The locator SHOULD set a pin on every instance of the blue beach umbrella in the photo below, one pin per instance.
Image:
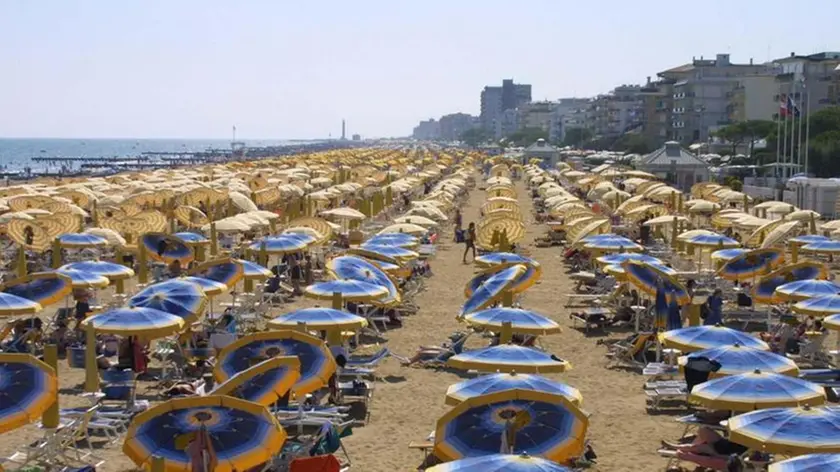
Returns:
(788, 431)
(618, 272)
(493, 288)
(44, 288)
(508, 358)
(521, 321)
(349, 290)
(493, 383)
(500, 463)
(823, 247)
(807, 463)
(80, 279)
(282, 244)
(166, 248)
(226, 271)
(647, 277)
(243, 434)
(617, 259)
(304, 237)
(616, 244)
(727, 254)
(28, 387)
(394, 252)
(263, 383)
(808, 239)
(532, 274)
(253, 271)
(11, 305)
(697, 338)
(502, 258)
(394, 239)
(713, 240)
(319, 319)
(316, 362)
(106, 269)
(806, 270)
(145, 322)
(178, 297)
(543, 424)
(804, 289)
(757, 390)
(818, 306)
(751, 263)
(356, 268)
(736, 359)
(193, 239)
(81, 240)
(211, 288)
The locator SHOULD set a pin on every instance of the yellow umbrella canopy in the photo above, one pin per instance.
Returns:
(28, 202)
(780, 233)
(575, 234)
(190, 216)
(28, 234)
(513, 229)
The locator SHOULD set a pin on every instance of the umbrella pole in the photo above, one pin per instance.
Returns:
(56, 254)
(214, 239)
(91, 372)
(142, 267)
(507, 298)
(337, 301)
(506, 335)
(21, 262)
(50, 417)
(158, 464)
(794, 252)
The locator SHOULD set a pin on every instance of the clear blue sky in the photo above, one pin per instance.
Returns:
(283, 69)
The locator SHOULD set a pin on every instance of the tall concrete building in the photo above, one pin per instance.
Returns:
(657, 102)
(454, 124)
(427, 130)
(702, 91)
(754, 98)
(496, 100)
(814, 74)
(536, 115)
(568, 113)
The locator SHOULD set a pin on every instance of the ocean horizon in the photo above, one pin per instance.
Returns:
(16, 153)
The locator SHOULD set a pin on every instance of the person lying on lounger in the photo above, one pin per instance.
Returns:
(709, 449)
(441, 353)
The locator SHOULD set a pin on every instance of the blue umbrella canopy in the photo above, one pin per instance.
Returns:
(177, 297)
(356, 268)
(493, 288)
(44, 288)
(394, 252)
(823, 247)
(500, 463)
(757, 390)
(145, 322)
(243, 434)
(804, 289)
(227, 271)
(697, 338)
(522, 321)
(765, 288)
(502, 258)
(818, 306)
(751, 263)
(788, 431)
(316, 362)
(11, 305)
(319, 319)
(81, 240)
(350, 291)
(618, 243)
(211, 288)
(166, 248)
(532, 274)
(808, 463)
(617, 259)
(85, 279)
(263, 383)
(28, 387)
(713, 240)
(736, 359)
(619, 273)
(808, 239)
(544, 424)
(306, 238)
(508, 358)
(493, 383)
(192, 239)
(727, 254)
(106, 269)
(282, 244)
(253, 271)
(646, 277)
(394, 239)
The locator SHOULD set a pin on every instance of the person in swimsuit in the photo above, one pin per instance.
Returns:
(469, 242)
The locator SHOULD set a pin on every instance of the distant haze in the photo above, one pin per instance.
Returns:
(287, 70)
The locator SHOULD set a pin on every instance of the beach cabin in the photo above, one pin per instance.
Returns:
(675, 165)
(549, 154)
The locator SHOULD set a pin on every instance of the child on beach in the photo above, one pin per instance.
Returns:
(469, 242)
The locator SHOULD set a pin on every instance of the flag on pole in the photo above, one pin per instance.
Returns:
(788, 107)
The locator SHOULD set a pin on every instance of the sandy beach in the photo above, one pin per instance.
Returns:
(408, 401)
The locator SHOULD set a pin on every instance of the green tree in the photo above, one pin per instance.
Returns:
(733, 182)
(742, 132)
(633, 143)
(474, 136)
(527, 136)
(577, 137)
(823, 142)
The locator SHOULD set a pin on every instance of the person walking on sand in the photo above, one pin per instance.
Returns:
(469, 242)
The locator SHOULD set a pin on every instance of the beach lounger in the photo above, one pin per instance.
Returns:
(630, 352)
(357, 391)
(592, 318)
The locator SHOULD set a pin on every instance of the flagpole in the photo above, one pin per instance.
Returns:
(792, 112)
(784, 138)
(778, 133)
(799, 138)
(807, 127)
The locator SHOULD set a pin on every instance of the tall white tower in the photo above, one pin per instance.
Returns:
(343, 131)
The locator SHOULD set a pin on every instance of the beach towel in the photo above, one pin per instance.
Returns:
(315, 464)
